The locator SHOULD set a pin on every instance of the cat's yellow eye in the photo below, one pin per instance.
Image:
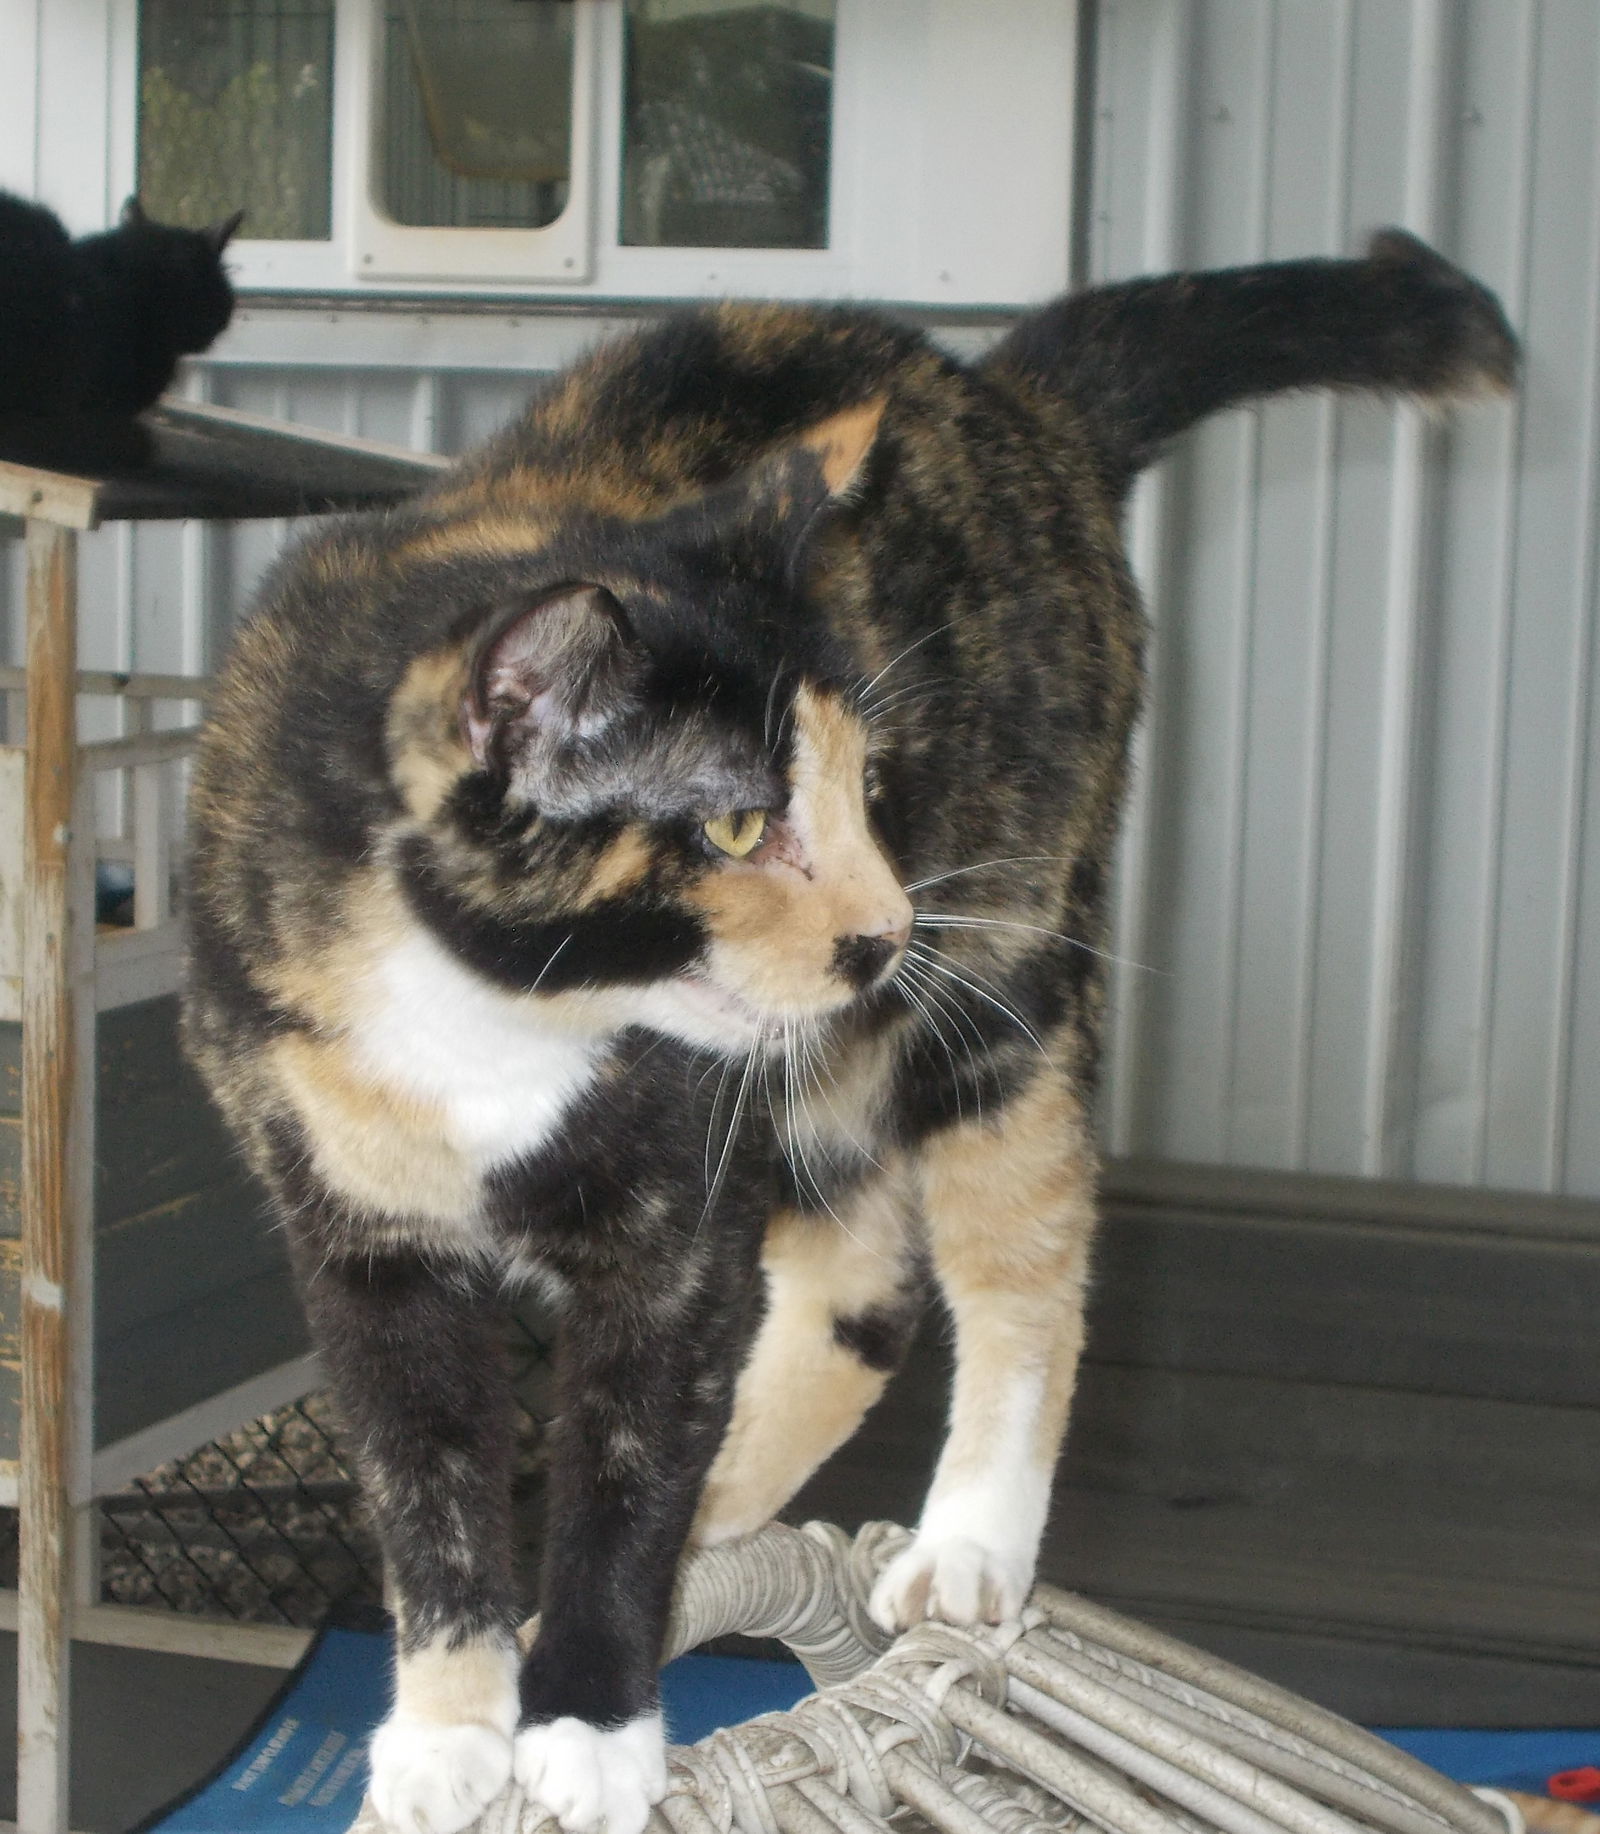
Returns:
(739, 833)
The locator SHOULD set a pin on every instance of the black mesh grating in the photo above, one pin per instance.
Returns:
(266, 1525)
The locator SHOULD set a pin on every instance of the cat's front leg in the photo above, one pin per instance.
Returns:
(413, 1345)
(1009, 1203)
(646, 1372)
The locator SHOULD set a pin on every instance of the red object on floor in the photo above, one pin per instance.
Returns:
(1580, 1785)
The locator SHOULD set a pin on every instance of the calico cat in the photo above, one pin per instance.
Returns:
(667, 862)
(91, 331)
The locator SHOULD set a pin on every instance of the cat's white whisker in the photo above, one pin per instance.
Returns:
(925, 1013)
(955, 872)
(910, 693)
(772, 695)
(951, 920)
(714, 1190)
(951, 1008)
(725, 1065)
(895, 660)
(944, 967)
(538, 979)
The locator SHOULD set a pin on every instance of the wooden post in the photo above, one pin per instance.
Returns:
(48, 1080)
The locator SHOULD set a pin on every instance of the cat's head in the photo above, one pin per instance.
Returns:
(174, 274)
(636, 767)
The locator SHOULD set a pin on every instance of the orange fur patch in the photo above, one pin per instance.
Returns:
(775, 928)
(623, 864)
(842, 443)
(802, 1393)
(1010, 1211)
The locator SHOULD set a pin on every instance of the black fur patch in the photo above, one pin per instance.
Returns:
(880, 1337)
(614, 942)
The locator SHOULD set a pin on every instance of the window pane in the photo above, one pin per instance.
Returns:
(235, 110)
(477, 112)
(728, 111)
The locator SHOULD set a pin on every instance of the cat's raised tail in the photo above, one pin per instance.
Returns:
(1142, 360)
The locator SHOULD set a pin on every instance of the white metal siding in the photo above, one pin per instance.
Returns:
(1364, 873)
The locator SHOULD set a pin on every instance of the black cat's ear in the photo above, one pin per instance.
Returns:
(133, 216)
(219, 235)
(564, 667)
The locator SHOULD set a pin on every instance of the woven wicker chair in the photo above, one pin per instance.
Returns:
(1072, 1717)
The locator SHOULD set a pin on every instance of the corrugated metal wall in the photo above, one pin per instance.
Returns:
(1361, 879)
(1363, 872)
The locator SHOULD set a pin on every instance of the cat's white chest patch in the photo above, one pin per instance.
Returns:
(501, 1073)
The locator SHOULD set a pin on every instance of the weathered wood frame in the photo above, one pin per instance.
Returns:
(57, 1000)
(56, 1117)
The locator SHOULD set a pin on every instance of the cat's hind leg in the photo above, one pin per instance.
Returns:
(843, 1293)
(1009, 1206)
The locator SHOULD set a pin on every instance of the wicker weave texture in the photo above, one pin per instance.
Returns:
(1070, 1717)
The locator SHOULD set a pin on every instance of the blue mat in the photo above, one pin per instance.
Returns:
(301, 1768)
(1497, 1760)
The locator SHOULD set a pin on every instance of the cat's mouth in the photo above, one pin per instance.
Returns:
(722, 1003)
(715, 1008)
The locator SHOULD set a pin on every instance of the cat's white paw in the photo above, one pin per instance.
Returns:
(594, 1780)
(429, 1778)
(952, 1578)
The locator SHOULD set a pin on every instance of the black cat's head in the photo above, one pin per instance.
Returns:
(636, 765)
(175, 276)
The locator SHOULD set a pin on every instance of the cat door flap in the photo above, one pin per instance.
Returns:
(478, 116)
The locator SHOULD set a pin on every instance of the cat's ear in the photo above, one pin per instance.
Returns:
(219, 235)
(564, 666)
(840, 446)
(133, 216)
(792, 489)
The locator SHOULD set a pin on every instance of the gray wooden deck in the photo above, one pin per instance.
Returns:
(1360, 1458)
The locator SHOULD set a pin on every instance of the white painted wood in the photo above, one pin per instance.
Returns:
(152, 847)
(381, 249)
(210, 410)
(139, 749)
(115, 1465)
(175, 1633)
(131, 686)
(952, 167)
(75, 169)
(19, 68)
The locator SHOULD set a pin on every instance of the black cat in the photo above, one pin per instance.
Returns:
(91, 331)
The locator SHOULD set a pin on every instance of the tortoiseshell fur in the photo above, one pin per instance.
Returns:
(485, 1004)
